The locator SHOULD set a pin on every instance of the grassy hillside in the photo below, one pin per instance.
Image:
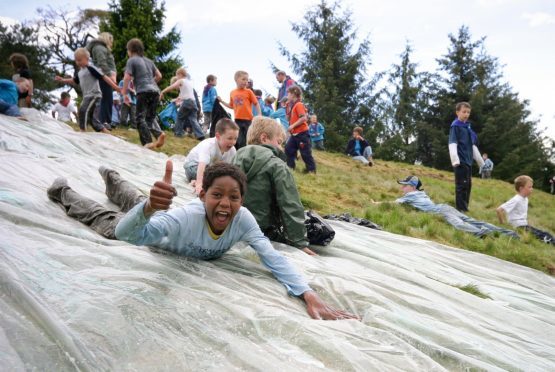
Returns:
(342, 185)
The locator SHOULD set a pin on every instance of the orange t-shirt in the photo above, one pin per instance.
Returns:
(241, 100)
(298, 111)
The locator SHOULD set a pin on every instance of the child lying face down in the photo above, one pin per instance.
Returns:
(204, 228)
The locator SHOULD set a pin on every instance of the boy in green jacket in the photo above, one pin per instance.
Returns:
(272, 195)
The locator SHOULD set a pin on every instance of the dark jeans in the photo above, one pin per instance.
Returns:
(128, 115)
(243, 129)
(98, 217)
(300, 142)
(106, 103)
(463, 185)
(8, 109)
(147, 102)
(544, 236)
(187, 117)
(89, 111)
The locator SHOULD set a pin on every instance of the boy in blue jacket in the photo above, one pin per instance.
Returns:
(462, 149)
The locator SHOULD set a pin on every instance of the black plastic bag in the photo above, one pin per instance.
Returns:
(318, 231)
(354, 220)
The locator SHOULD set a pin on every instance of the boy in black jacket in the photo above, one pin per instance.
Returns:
(359, 149)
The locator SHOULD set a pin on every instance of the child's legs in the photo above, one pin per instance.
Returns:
(243, 128)
(456, 219)
(191, 168)
(291, 148)
(462, 187)
(544, 236)
(85, 210)
(319, 145)
(153, 98)
(7, 109)
(306, 151)
(179, 128)
(96, 112)
(367, 153)
(488, 226)
(119, 191)
(87, 106)
(193, 121)
(144, 132)
(124, 114)
(106, 103)
(207, 121)
(362, 159)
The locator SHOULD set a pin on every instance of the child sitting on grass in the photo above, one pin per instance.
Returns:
(211, 150)
(272, 195)
(516, 210)
(417, 198)
(359, 149)
(204, 228)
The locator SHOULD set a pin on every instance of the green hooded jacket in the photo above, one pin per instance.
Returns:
(272, 195)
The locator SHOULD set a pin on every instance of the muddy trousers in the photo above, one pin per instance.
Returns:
(93, 214)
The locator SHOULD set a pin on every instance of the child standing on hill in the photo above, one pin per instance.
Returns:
(209, 96)
(359, 149)
(188, 111)
(211, 150)
(487, 167)
(64, 108)
(272, 195)
(316, 131)
(87, 77)
(145, 76)
(462, 148)
(241, 100)
(516, 210)
(300, 139)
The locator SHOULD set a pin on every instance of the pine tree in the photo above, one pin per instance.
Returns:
(143, 19)
(332, 71)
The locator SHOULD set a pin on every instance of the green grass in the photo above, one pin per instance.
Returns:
(342, 185)
(473, 289)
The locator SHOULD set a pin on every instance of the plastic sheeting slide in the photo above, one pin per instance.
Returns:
(72, 300)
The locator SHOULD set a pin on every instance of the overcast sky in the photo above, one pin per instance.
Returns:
(222, 36)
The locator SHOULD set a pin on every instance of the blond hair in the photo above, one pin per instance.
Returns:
(81, 52)
(263, 125)
(239, 74)
(107, 38)
(521, 181)
(181, 71)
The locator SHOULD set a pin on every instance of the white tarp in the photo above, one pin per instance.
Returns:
(72, 300)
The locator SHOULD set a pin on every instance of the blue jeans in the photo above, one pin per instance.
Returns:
(468, 224)
(191, 169)
(187, 116)
(365, 155)
(7, 109)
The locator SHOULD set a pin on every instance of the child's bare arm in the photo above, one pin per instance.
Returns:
(500, 214)
(157, 75)
(259, 110)
(200, 174)
(64, 80)
(174, 86)
(111, 83)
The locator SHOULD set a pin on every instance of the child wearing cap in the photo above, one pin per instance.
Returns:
(414, 196)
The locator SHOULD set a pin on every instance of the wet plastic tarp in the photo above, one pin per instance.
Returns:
(72, 300)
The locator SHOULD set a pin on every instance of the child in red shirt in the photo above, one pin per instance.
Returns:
(298, 128)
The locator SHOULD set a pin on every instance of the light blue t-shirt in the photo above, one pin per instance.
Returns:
(185, 231)
(419, 200)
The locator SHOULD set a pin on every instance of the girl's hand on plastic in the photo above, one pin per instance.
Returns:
(318, 309)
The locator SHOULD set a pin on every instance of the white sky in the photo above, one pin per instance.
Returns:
(222, 36)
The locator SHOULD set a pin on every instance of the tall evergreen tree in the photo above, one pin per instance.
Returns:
(22, 38)
(332, 71)
(407, 95)
(143, 19)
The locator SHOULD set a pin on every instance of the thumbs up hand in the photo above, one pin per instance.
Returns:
(161, 193)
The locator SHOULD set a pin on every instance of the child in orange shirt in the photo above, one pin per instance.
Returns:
(241, 101)
(298, 127)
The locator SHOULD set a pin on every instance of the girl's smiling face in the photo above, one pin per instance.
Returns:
(222, 200)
